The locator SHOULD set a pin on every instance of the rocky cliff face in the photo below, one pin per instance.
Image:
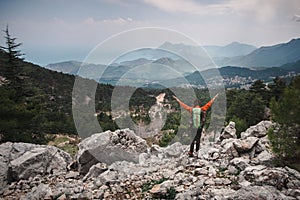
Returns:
(229, 169)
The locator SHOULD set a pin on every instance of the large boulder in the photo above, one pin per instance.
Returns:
(174, 150)
(108, 147)
(4, 163)
(42, 191)
(228, 148)
(245, 145)
(258, 192)
(265, 157)
(23, 160)
(259, 130)
(280, 178)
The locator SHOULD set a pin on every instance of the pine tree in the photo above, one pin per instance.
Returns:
(12, 47)
(285, 139)
(277, 87)
(259, 87)
(12, 68)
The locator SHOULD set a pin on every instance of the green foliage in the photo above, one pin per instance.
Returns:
(285, 139)
(65, 143)
(41, 104)
(166, 139)
(172, 122)
(106, 122)
(71, 149)
(142, 97)
(247, 106)
(148, 185)
(15, 119)
(12, 46)
(171, 194)
(260, 89)
(277, 88)
(231, 96)
(286, 145)
(287, 109)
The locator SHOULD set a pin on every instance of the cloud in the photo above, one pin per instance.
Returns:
(260, 10)
(175, 5)
(296, 18)
(119, 20)
(195, 7)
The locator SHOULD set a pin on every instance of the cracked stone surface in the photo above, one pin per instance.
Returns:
(230, 169)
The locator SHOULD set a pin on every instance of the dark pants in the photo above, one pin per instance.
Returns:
(197, 138)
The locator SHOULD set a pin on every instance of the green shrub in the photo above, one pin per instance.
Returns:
(285, 144)
(285, 138)
(148, 185)
(171, 194)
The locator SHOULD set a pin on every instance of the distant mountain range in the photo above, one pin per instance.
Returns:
(168, 65)
(152, 75)
(270, 56)
(67, 67)
(134, 72)
(240, 76)
(231, 77)
(244, 55)
(231, 50)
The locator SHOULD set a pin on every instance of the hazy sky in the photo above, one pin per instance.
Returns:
(60, 30)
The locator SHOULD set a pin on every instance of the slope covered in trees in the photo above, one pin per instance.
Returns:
(38, 101)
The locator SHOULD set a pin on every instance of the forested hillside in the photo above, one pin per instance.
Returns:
(35, 101)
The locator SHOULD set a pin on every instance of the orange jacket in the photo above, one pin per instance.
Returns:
(189, 108)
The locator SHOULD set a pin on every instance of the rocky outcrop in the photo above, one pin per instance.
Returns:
(231, 169)
(259, 130)
(41, 191)
(258, 192)
(22, 161)
(5, 157)
(108, 147)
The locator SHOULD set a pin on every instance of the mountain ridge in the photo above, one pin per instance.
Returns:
(169, 65)
(270, 56)
(230, 50)
(133, 72)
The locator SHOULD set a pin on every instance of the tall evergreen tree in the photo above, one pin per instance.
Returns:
(259, 88)
(12, 47)
(277, 87)
(285, 139)
(11, 68)
(246, 109)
